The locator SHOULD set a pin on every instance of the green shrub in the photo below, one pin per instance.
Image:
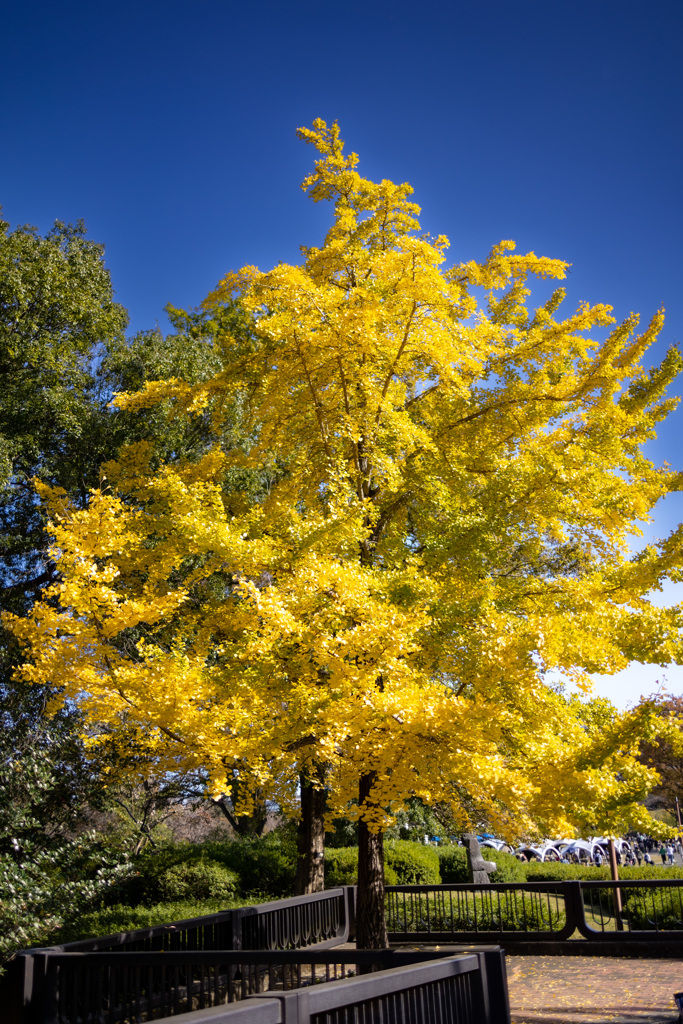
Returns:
(661, 909)
(341, 868)
(197, 880)
(554, 871)
(405, 863)
(413, 863)
(141, 887)
(265, 864)
(219, 868)
(508, 868)
(453, 864)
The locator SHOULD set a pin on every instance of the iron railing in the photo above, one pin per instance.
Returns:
(321, 918)
(439, 912)
(537, 911)
(137, 987)
(509, 914)
(448, 991)
(551, 911)
(633, 908)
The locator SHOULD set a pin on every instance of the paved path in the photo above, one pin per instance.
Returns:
(593, 990)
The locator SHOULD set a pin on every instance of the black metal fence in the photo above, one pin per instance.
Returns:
(447, 991)
(322, 919)
(192, 965)
(319, 920)
(537, 911)
(137, 987)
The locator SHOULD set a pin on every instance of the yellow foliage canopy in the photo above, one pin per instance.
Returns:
(452, 477)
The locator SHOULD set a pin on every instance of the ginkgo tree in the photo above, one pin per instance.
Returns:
(451, 481)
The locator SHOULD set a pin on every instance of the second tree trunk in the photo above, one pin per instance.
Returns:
(310, 867)
(371, 925)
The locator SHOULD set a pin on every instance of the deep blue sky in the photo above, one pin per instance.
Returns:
(170, 129)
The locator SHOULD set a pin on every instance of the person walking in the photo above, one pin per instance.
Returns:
(670, 854)
(662, 853)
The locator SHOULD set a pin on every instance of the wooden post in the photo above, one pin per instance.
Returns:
(614, 871)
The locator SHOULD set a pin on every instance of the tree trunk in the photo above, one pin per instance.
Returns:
(310, 841)
(245, 824)
(371, 925)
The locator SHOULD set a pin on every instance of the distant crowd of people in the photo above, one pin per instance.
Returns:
(642, 850)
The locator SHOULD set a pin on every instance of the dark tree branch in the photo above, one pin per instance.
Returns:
(49, 576)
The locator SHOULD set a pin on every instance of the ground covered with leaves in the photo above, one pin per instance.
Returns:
(593, 990)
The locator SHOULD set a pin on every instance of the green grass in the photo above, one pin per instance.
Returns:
(122, 918)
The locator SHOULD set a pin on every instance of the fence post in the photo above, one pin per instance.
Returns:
(496, 981)
(574, 908)
(46, 991)
(16, 988)
(482, 993)
(236, 928)
(350, 909)
(294, 1008)
(37, 999)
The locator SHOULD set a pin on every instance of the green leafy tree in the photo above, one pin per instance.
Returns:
(63, 355)
(57, 314)
(46, 889)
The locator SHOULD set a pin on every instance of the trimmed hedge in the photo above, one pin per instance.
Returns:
(554, 871)
(408, 863)
(413, 863)
(405, 863)
(341, 868)
(661, 910)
